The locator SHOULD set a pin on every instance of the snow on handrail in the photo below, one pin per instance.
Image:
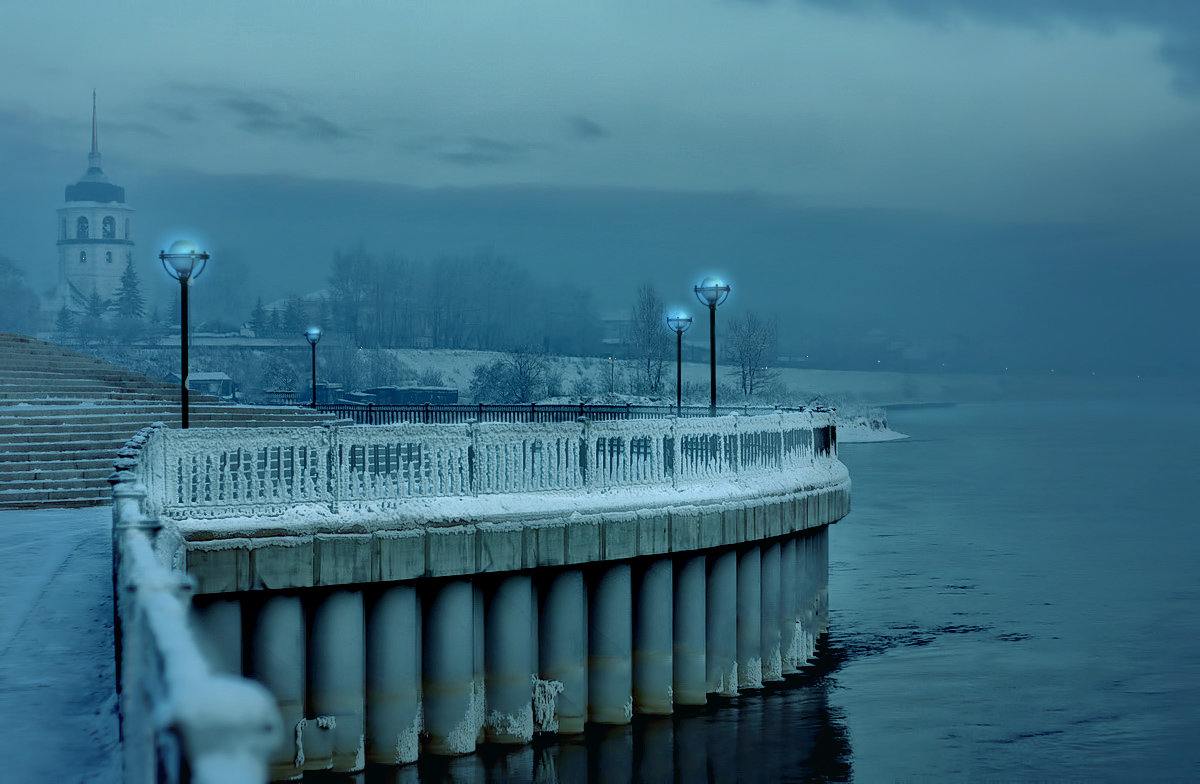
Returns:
(179, 718)
(234, 472)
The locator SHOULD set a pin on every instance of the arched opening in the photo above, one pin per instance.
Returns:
(82, 256)
(64, 229)
(108, 228)
(81, 228)
(108, 257)
(127, 228)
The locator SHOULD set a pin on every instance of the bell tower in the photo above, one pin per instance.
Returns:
(95, 234)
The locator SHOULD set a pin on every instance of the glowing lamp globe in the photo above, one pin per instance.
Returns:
(712, 291)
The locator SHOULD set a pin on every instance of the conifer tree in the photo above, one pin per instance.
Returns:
(128, 301)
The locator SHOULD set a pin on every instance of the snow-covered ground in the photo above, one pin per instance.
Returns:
(57, 673)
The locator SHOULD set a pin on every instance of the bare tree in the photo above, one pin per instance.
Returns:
(520, 376)
(751, 346)
(648, 339)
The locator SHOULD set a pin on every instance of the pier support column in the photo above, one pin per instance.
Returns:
(448, 666)
(563, 646)
(806, 581)
(277, 648)
(610, 643)
(218, 624)
(336, 674)
(394, 719)
(772, 658)
(688, 660)
(721, 624)
(822, 572)
(790, 641)
(509, 661)
(653, 638)
(749, 618)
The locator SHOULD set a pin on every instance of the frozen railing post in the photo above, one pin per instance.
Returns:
(585, 441)
(672, 455)
(473, 457)
(335, 465)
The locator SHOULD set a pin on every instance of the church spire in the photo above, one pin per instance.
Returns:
(94, 155)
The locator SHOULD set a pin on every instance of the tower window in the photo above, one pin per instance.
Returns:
(81, 228)
(64, 229)
(108, 256)
(108, 227)
(128, 257)
(82, 256)
(127, 228)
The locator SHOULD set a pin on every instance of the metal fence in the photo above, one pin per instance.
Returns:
(461, 413)
(216, 472)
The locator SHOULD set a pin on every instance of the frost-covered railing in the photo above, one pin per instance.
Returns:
(528, 413)
(180, 720)
(216, 472)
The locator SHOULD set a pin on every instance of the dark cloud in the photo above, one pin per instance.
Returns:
(1177, 20)
(580, 127)
(468, 150)
(271, 113)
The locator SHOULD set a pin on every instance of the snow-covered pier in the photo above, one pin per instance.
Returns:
(410, 589)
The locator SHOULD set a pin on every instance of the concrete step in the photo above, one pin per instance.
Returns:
(10, 475)
(41, 498)
(58, 483)
(47, 458)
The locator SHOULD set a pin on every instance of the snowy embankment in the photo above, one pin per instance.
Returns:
(57, 670)
(864, 427)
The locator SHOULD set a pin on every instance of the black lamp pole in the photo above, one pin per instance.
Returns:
(183, 351)
(712, 292)
(184, 262)
(313, 336)
(712, 359)
(679, 322)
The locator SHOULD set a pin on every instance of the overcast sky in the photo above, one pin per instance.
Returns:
(1046, 137)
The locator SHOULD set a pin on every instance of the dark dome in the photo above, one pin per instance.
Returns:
(95, 187)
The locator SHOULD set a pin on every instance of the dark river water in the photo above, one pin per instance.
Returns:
(1015, 597)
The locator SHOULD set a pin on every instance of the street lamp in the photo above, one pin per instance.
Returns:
(712, 292)
(183, 262)
(679, 322)
(313, 335)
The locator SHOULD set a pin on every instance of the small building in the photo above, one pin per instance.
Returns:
(408, 396)
(217, 384)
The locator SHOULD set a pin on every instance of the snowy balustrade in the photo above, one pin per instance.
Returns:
(607, 568)
(214, 472)
(180, 720)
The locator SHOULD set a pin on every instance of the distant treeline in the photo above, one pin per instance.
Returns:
(483, 301)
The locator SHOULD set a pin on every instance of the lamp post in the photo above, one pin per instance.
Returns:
(679, 322)
(712, 292)
(184, 262)
(313, 335)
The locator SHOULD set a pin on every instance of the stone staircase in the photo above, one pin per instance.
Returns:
(64, 415)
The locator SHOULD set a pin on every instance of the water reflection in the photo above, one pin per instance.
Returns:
(783, 733)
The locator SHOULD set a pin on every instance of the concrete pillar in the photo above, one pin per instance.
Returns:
(749, 618)
(808, 593)
(509, 661)
(653, 638)
(790, 642)
(479, 690)
(769, 636)
(394, 717)
(822, 571)
(276, 661)
(563, 646)
(688, 659)
(448, 668)
(721, 624)
(610, 644)
(337, 673)
(218, 625)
